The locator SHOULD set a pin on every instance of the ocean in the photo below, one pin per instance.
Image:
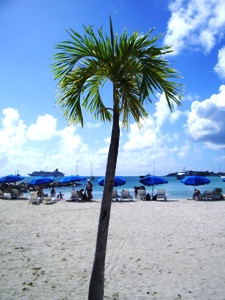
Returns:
(174, 188)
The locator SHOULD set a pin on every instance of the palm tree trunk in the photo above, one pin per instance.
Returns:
(96, 287)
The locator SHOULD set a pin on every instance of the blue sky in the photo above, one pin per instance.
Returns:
(34, 135)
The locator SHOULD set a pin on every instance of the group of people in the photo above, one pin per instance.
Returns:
(87, 193)
(53, 194)
(84, 194)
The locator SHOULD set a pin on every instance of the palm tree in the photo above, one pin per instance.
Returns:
(137, 70)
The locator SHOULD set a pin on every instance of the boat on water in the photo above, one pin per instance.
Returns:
(55, 173)
(182, 174)
(143, 176)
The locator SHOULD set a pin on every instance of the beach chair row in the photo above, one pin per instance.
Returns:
(13, 194)
(213, 195)
(34, 199)
(141, 195)
(210, 195)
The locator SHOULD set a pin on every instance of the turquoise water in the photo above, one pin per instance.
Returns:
(174, 188)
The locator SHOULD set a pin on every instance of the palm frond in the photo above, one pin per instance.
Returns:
(134, 64)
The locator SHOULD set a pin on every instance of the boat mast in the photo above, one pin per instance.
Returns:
(76, 167)
(91, 175)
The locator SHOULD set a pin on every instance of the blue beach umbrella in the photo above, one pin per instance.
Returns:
(195, 180)
(72, 178)
(11, 178)
(152, 180)
(41, 180)
(118, 181)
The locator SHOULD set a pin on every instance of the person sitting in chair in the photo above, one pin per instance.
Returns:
(82, 194)
(196, 194)
(60, 196)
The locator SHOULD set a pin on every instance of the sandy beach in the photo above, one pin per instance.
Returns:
(156, 250)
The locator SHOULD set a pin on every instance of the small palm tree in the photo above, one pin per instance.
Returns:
(137, 70)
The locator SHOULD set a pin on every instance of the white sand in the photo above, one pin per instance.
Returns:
(156, 250)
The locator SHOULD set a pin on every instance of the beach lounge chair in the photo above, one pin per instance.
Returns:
(49, 200)
(161, 195)
(216, 194)
(15, 194)
(141, 194)
(125, 195)
(115, 196)
(34, 199)
(207, 195)
(7, 195)
(75, 196)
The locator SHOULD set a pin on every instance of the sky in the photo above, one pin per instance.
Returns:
(34, 134)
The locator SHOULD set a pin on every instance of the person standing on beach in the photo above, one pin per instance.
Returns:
(89, 189)
(52, 192)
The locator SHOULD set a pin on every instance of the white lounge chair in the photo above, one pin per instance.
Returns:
(75, 196)
(15, 194)
(49, 200)
(115, 196)
(7, 195)
(141, 194)
(216, 194)
(34, 199)
(161, 195)
(125, 195)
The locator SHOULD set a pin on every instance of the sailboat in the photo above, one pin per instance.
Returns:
(92, 177)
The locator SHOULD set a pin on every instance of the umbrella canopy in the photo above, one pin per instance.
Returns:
(72, 178)
(11, 178)
(152, 180)
(41, 180)
(118, 181)
(195, 180)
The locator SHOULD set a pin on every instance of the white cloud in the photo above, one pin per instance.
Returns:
(206, 122)
(142, 138)
(198, 23)
(40, 146)
(190, 97)
(220, 66)
(184, 150)
(70, 142)
(163, 113)
(12, 134)
(93, 125)
(153, 147)
(105, 150)
(44, 129)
